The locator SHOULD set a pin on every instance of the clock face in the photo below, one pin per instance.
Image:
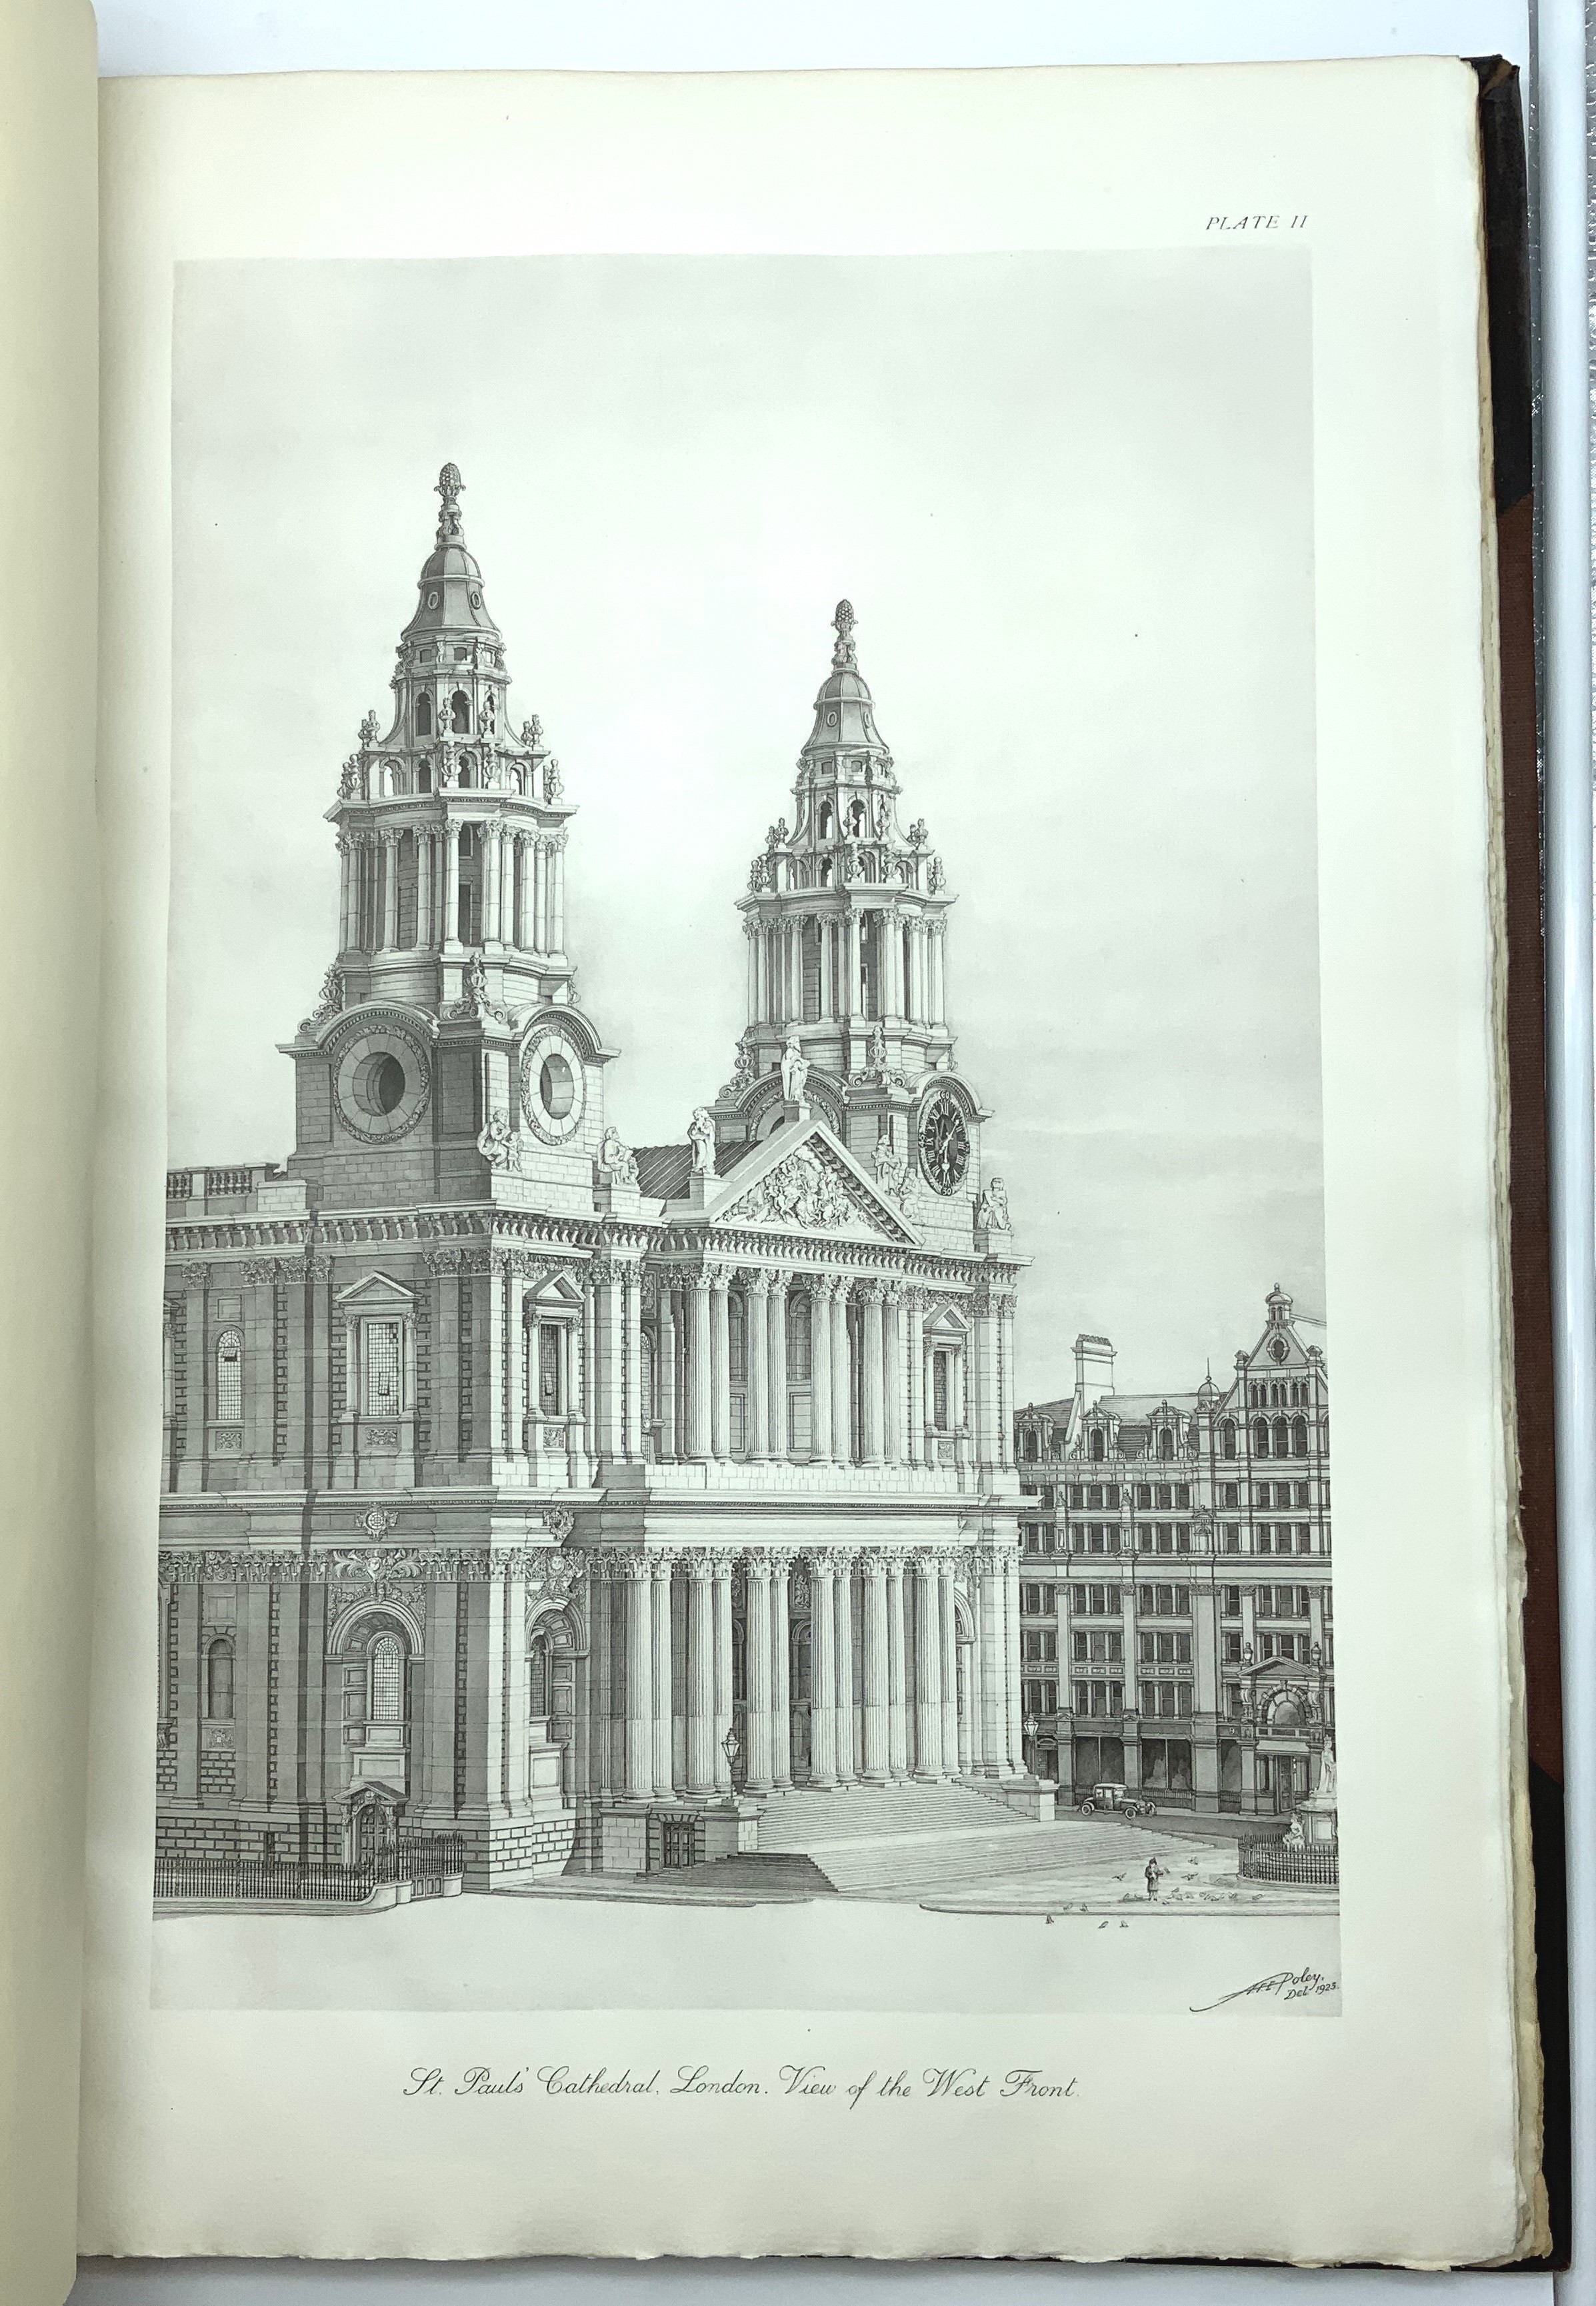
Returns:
(945, 1144)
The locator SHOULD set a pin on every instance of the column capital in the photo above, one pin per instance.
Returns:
(874, 1290)
(663, 1562)
(831, 1560)
(631, 1568)
(756, 1280)
(874, 1560)
(718, 1274)
(699, 1562)
(779, 1279)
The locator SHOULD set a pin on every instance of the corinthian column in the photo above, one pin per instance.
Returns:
(950, 1666)
(992, 1753)
(701, 1674)
(847, 1744)
(781, 1671)
(423, 887)
(822, 1292)
(390, 890)
(720, 1362)
(451, 885)
(778, 1436)
(897, 1676)
(872, 1295)
(757, 1625)
(757, 1333)
(721, 1565)
(823, 1671)
(914, 1355)
(896, 1448)
(840, 1375)
(875, 1669)
(699, 1370)
(664, 1759)
(640, 1697)
(928, 1666)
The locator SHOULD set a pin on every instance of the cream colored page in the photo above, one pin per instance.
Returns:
(47, 398)
(213, 2057)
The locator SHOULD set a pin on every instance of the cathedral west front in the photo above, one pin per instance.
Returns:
(571, 1499)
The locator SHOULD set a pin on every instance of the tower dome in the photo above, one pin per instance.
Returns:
(450, 589)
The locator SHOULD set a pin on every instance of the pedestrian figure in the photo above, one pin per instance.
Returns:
(1154, 1874)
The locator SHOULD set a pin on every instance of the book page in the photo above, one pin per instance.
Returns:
(720, 1542)
(47, 404)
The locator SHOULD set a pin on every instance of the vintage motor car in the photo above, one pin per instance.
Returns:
(1110, 1797)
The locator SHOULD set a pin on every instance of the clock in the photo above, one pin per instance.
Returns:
(945, 1144)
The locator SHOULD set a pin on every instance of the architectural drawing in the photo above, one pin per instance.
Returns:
(534, 1504)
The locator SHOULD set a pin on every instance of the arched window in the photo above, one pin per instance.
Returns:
(488, 714)
(1033, 1444)
(229, 1375)
(1096, 1450)
(1227, 1437)
(1299, 1436)
(467, 772)
(1260, 1437)
(423, 715)
(1282, 1438)
(385, 1667)
(856, 818)
(423, 776)
(823, 821)
(825, 871)
(459, 713)
(1166, 1442)
(538, 1678)
(218, 1681)
(798, 1337)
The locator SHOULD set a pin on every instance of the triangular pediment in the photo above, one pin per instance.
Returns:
(803, 1180)
(376, 1293)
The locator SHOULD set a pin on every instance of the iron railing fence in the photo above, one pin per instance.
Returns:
(1318, 1863)
(425, 1861)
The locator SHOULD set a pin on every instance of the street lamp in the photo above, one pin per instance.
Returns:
(731, 1746)
(1030, 1726)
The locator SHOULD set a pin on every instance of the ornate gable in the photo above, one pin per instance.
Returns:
(811, 1184)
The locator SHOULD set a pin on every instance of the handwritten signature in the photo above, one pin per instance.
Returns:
(1284, 1984)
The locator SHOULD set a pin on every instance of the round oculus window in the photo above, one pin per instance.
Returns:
(556, 1086)
(945, 1144)
(553, 1086)
(381, 1079)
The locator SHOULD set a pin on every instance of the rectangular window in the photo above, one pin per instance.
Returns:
(549, 1404)
(1163, 1496)
(1078, 1496)
(1230, 1538)
(382, 1344)
(1094, 1496)
(1144, 1495)
(939, 1392)
(1230, 1493)
(1112, 1497)
(1230, 1648)
(1233, 1601)
(1182, 1537)
(1182, 1496)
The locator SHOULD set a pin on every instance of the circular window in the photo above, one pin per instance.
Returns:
(381, 1076)
(831, 718)
(431, 600)
(476, 599)
(556, 1086)
(553, 1087)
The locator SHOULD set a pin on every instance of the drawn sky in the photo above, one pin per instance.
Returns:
(1071, 498)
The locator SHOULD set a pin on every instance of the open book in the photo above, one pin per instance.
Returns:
(814, 893)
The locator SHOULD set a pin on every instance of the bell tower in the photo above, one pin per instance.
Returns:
(447, 1038)
(846, 922)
